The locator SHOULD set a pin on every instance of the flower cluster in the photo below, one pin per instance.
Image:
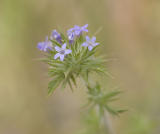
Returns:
(73, 56)
(76, 31)
(62, 46)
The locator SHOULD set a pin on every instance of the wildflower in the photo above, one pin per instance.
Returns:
(78, 30)
(62, 52)
(90, 43)
(45, 46)
(56, 36)
(71, 35)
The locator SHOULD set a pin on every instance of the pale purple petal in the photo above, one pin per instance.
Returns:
(69, 31)
(57, 48)
(76, 27)
(56, 56)
(84, 28)
(90, 48)
(57, 36)
(49, 44)
(87, 38)
(40, 45)
(67, 51)
(61, 57)
(59, 39)
(64, 46)
(95, 44)
(85, 44)
(93, 39)
(44, 46)
(90, 43)
(77, 32)
(71, 36)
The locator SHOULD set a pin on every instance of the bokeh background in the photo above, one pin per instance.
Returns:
(129, 34)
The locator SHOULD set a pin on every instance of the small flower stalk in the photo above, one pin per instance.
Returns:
(73, 55)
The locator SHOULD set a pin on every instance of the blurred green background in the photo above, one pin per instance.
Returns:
(130, 35)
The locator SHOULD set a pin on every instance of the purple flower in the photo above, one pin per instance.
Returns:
(90, 43)
(71, 35)
(78, 30)
(45, 46)
(56, 36)
(62, 52)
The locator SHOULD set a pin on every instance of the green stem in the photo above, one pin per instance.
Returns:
(105, 117)
(108, 123)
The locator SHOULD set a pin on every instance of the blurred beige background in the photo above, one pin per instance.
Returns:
(130, 34)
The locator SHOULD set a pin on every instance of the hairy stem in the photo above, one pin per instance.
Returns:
(108, 123)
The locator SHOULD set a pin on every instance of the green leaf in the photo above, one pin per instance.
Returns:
(73, 80)
(63, 37)
(55, 83)
(52, 86)
(55, 43)
(111, 110)
(112, 94)
(122, 111)
(70, 85)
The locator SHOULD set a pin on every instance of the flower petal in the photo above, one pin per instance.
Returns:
(40, 45)
(57, 55)
(45, 48)
(90, 48)
(85, 44)
(68, 51)
(61, 57)
(55, 34)
(85, 26)
(77, 32)
(87, 38)
(70, 31)
(95, 44)
(64, 46)
(85, 30)
(93, 39)
(71, 36)
(57, 48)
(77, 27)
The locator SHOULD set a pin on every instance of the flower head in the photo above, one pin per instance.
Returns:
(45, 46)
(90, 43)
(62, 52)
(71, 35)
(55, 35)
(78, 30)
